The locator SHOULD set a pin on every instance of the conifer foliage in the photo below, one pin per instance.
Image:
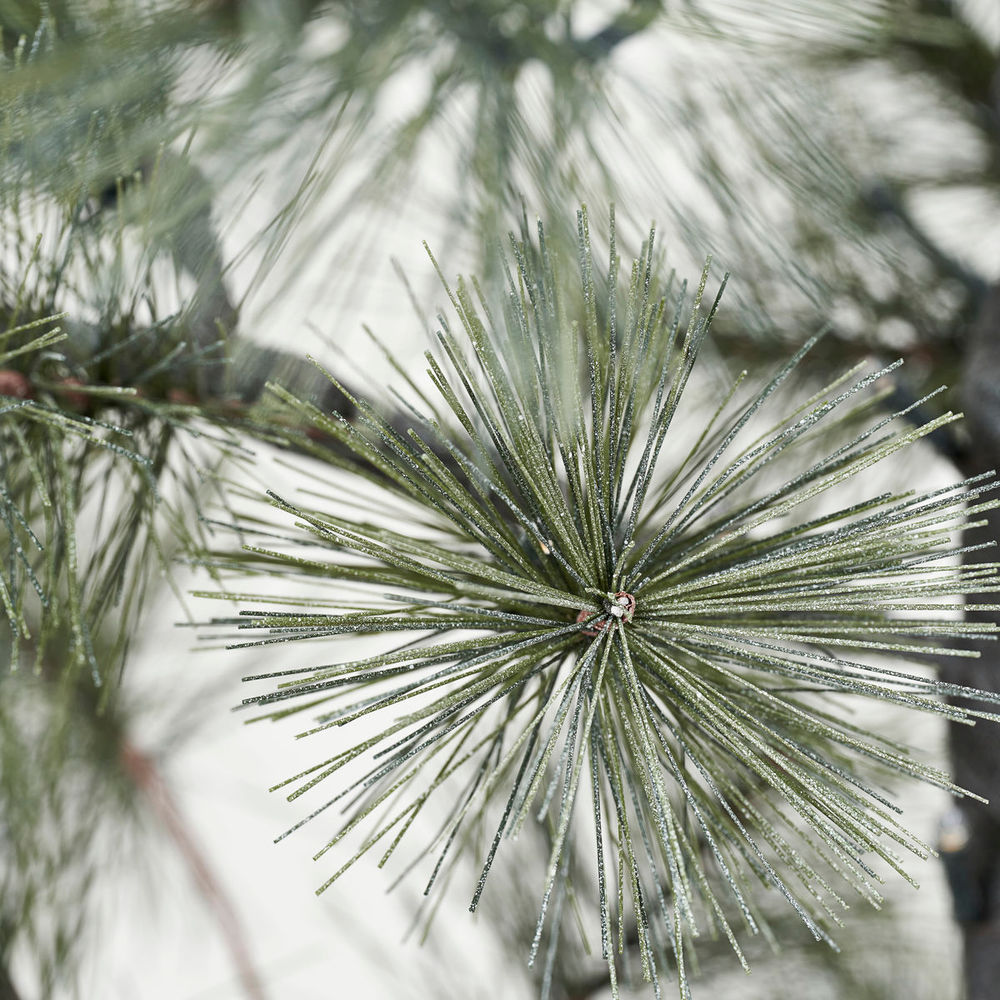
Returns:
(650, 640)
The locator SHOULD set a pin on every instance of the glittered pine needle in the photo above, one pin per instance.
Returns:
(606, 615)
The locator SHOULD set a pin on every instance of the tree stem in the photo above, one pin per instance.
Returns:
(975, 750)
(147, 777)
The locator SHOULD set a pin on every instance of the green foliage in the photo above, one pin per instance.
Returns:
(105, 459)
(91, 410)
(602, 617)
(114, 392)
(237, 80)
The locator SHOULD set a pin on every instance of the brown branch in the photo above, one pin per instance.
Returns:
(884, 201)
(973, 862)
(630, 22)
(8, 991)
(959, 59)
(143, 771)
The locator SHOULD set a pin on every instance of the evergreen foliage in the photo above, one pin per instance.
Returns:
(663, 631)
(653, 645)
(111, 432)
(93, 409)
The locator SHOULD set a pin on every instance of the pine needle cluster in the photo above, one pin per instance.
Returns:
(104, 460)
(604, 616)
(90, 410)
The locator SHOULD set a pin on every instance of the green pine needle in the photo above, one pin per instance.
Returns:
(604, 616)
(91, 433)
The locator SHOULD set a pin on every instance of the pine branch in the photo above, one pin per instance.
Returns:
(886, 203)
(655, 623)
(495, 495)
(149, 781)
(636, 18)
(958, 58)
(8, 991)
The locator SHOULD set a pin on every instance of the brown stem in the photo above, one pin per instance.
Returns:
(8, 991)
(885, 201)
(974, 868)
(630, 22)
(143, 771)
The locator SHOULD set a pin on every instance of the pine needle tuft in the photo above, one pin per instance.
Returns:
(605, 605)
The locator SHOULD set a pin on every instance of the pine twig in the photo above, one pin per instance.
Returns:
(147, 777)
(8, 991)
(885, 202)
(655, 634)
